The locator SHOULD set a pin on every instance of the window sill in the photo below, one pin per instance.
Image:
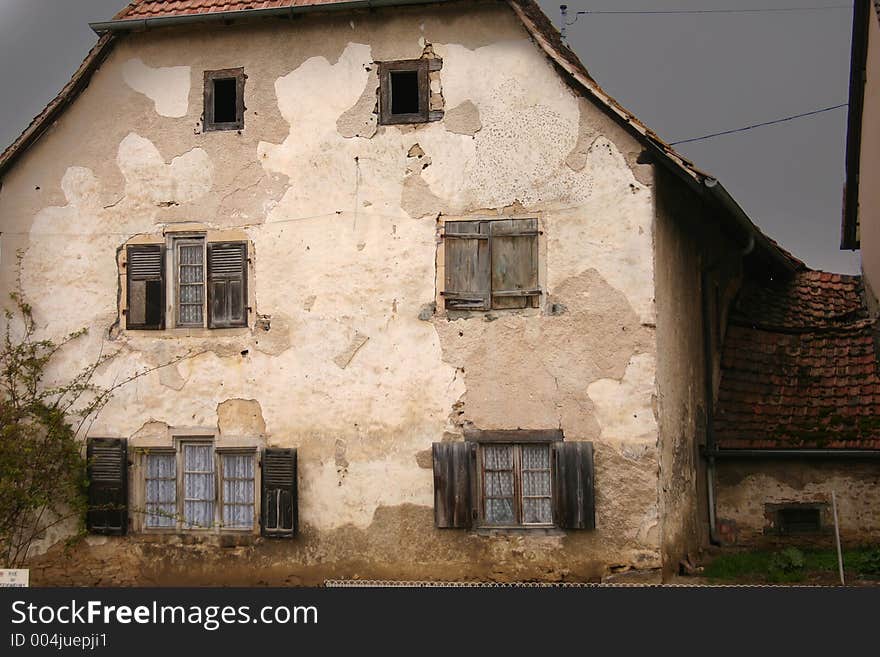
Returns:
(223, 537)
(488, 315)
(177, 333)
(519, 530)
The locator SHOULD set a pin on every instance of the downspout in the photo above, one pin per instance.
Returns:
(709, 378)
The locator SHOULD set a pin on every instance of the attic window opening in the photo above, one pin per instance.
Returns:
(403, 92)
(224, 99)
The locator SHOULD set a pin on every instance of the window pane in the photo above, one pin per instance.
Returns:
(536, 457)
(535, 484)
(536, 492)
(537, 511)
(498, 457)
(238, 490)
(191, 254)
(198, 485)
(191, 294)
(500, 510)
(498, 484)
(161, 490)
(190, 314)
(190, 284)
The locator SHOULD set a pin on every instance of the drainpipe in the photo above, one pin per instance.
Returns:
(709, 392)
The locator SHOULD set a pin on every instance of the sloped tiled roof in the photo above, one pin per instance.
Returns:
(810, 299)
(156, 8)
(799, 367)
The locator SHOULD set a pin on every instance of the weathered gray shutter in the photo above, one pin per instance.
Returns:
(279, 517)
(145, 275)
(227, 284)
(454, 472)
(107, 468)
(573, 498)
(467, 264)
(514, 249)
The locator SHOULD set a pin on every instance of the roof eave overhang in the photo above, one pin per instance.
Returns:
(143, 24)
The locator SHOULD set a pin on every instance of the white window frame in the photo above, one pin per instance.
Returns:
(179, 241)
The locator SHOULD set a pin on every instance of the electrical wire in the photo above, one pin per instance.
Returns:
(758, 125)
(765, 10)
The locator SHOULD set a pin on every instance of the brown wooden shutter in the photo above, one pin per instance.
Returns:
(467, 264)
(227, 284)
(145, 275)
(573, 498)
(514, 249)
(107, 467)
(280, 516)
(454, 473)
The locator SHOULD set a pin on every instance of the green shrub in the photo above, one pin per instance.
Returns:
(868, 562)
(788, 562)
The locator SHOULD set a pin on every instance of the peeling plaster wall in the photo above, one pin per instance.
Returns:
(687, 244)
(342, 360)
(746, 488)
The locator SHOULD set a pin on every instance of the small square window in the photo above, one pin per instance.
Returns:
(491, 264)
(224, 100)
(403, 92)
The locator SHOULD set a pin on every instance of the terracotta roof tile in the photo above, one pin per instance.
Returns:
(799, 367)
(810, 299)
(156, 8)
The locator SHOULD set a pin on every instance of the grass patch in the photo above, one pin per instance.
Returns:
(792, 565)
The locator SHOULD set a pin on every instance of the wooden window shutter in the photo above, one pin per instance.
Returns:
(279, 517)
(145, 275)
(227, 284)
(107, 467)
(573, 497)
(454, 475)
(514, 251)
(467, 264)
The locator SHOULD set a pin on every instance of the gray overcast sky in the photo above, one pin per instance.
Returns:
(683, 75)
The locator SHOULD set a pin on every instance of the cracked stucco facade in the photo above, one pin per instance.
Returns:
(345, 357)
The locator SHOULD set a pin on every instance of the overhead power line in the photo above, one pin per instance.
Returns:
(655, 12)
(758, 125)
(758, 10)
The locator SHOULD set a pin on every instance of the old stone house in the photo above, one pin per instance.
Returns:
(417, 298)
